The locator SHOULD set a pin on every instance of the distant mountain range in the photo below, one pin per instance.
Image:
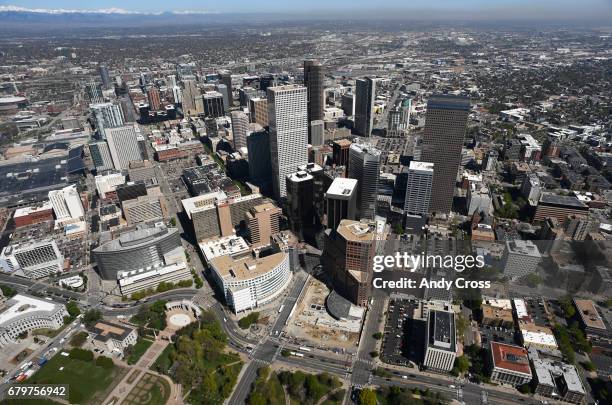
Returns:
(26, 19)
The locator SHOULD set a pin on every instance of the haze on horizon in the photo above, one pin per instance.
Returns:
(600, 10)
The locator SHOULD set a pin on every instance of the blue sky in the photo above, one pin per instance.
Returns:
(515, 7)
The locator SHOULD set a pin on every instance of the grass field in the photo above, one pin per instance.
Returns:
(84, 378)
(139, 349)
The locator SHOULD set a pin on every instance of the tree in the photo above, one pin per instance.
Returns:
(285, 353)
(248, 320)
(374, 354)
(91, 317)
(532, 280)
(377, 335)
(7, 291)
(462, 363)
(73, 309)
(367, 397)
(173, 221)
(78, 339)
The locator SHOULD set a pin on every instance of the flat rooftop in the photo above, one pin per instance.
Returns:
(442, 330)
(21, 305)
(448, 102)
(589, 314)
(562, 201)
(342, 187)
(226, 246)
(247, 267)
(357, 231)
(510, 357)
(523, 247)
(421, 166)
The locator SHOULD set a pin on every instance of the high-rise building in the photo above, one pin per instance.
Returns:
(440, 343)
(67, 203)
(341, 151)
(341, 199)
(521, 257)
(123, 146)
(348, 258)
(100, 155)
(300, 203)
(364, 166)
(240, 126)
(317, 133)
(263, 222)
(222, 88)
(213, 104)
(105, 76)
(399, 118)
(445, 125)
(94, 92)
(288, 123)
(348, 104)
(214, 214)
(154, 98)
(225, 77)
(260, 166)
(418, 188)
(35, 259)
(190, 92)
(364, 106)
(313, 80)
(258, 108)
(107, 115)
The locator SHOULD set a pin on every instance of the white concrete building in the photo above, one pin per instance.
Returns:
(108, 183)
(152, 276)
(23, 313)
(521, 257)
(249, 281)
(418, 188)
(66, 203)
(288, 124)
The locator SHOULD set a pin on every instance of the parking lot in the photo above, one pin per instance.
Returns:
(399, 333)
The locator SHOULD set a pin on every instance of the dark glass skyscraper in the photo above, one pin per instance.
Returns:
(364, 106)
(445, 124)
(313, 79)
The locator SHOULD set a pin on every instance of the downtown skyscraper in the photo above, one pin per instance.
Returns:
(364, 106)
(364, 166)
(313, 80)
(445, 125)
(288, 125)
